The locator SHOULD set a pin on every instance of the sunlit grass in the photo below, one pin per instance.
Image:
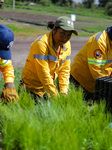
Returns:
(93, 24)
(26, 30)
(62, 123)
(91, 29)
(98, 13)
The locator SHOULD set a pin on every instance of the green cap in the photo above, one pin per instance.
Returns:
(66, 24)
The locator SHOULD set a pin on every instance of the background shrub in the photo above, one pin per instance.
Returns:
(108, 8)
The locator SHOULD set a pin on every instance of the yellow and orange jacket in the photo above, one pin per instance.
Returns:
(93, 60)
(43, 66)
(7, 70)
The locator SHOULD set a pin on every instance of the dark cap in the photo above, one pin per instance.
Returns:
(66, 24)
(6, 42)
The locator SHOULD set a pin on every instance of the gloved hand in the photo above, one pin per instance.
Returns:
(9, 93)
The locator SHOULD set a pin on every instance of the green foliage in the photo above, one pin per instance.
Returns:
(108, 8)
(102, 3)
(53, 9)
(1, 85)
(88, 25)
(23, 30)
(19, 3)
(10, 2)
(66, 122)
(42, 2)
(88, 3)
(91, 30)
(65, 3)
(45, 2)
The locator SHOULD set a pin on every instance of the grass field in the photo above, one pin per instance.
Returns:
(88, 20)
(61, 123)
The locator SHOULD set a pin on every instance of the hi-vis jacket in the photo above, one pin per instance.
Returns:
(43, 65)
(93, 60)
(7, 70)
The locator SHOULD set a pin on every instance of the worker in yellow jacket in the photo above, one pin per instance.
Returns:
(9, 93)
(94, 60)
(48, 59)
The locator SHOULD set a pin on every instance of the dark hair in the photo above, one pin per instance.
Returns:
(50, 25)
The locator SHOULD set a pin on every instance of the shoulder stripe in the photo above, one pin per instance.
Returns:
(98, 36)
(40, 37)
(45, 57)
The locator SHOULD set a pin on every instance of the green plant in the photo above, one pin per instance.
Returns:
(108, 8)
(66, 122)
(45, 2)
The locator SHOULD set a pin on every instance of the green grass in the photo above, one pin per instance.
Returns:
(91, 30)
(56, 11)
(59, 124)
(98, 12)
(87, 20)
(33, 31)
(24, 30)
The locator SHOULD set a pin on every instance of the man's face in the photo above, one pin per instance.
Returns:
(61, 36)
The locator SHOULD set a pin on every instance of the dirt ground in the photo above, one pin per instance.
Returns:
(21, 46)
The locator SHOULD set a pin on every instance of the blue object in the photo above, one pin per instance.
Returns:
(73, 17)
(110, 124)
(6, 42)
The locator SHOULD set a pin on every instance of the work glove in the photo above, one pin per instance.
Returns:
(9, 93)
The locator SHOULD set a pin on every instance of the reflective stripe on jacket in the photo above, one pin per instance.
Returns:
(93, 60)
(43, 66)
(7, 70)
